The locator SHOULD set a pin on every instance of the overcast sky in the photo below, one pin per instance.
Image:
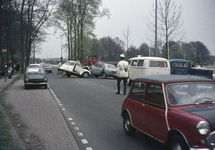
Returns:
(198, 17)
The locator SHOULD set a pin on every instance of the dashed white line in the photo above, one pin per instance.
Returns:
(76, 128)
(89, 148)
(63, 108)
(73, 123)
(70, 119)
(84, 141)
(80, 134)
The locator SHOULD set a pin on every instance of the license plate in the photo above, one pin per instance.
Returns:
(36, 83)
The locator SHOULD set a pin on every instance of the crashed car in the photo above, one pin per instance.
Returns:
(35, 76)
(104, 70)
(74, 68)
(176, 110)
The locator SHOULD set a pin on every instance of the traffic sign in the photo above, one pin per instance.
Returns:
(4, 50)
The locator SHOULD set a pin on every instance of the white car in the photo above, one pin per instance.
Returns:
(74, 68)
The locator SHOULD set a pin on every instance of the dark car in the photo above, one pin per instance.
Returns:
(35, 76)
(104, 70)
(176, 110)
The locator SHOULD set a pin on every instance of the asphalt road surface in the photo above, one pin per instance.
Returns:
(92, 111)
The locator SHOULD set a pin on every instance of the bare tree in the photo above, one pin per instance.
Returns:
(169, 23)
(127, 36)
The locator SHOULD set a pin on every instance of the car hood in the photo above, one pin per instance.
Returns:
(206, 112)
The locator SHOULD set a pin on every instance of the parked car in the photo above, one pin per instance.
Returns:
(143, 66)
(103, 69)
(47, 67)
(35, 76)
(176, 110)
(74, 68)
(183, 67)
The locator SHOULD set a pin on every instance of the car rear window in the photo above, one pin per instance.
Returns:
(138, 90)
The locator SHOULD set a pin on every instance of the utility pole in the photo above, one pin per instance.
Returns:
(155, 28)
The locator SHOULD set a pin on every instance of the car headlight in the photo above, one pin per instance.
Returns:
(202, 128)
(45, 79)
(26, 79)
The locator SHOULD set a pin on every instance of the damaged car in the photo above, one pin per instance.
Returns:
(74, 68)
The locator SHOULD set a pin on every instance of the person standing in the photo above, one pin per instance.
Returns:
(59, 65)
(122, 73)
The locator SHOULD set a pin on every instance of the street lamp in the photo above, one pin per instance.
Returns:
(61, 58)
(51, 54)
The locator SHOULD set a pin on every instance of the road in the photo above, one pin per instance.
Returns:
(92, 111)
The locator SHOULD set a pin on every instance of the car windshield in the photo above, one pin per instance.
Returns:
(190, 93)
(111, 67)
(34, 70)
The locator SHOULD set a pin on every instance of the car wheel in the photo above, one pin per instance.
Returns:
(85, 75)
(129, 129)
(177, 142)
(45, 86)
(68, 75)
(63, 73)
(104, 76)
(26, 87)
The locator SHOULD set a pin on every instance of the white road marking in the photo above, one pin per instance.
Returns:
(70, 119)
(73, 123)
(84, 141)
(63, 108)
(80, 134)
(76, 128)
(89, 148)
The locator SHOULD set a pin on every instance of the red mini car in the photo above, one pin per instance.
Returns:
(176, 110)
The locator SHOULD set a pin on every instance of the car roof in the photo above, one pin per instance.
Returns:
(172, 78)
(179, 60)
(149, 58)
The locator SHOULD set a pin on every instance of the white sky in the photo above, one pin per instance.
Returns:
(198, 17)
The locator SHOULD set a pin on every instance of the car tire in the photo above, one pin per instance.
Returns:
(129, 129)
(45, 86)
(177, 142)
(104, 76)
(63, 73)
(26, 87)
(68, 75)
(85, 75)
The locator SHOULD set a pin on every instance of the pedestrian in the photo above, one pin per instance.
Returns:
(17, 67)
(122, 73)
(59, 65)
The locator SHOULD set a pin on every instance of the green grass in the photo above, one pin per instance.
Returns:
(6, 139)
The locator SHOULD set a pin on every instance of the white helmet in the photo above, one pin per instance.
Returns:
(122, 55)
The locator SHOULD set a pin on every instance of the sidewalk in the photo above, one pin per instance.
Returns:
(53, 129)
(4, 84)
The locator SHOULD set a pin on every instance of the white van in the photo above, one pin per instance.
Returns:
(142, 66)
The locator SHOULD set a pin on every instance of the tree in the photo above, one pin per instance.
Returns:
(144, 49)
(76, 19)
(169, 23)
(202, 52)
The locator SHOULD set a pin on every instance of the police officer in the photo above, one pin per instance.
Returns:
(122, 73)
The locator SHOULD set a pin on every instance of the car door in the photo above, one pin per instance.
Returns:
(70, 66)
(77, 67)
(100, 68)
(153, 112)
